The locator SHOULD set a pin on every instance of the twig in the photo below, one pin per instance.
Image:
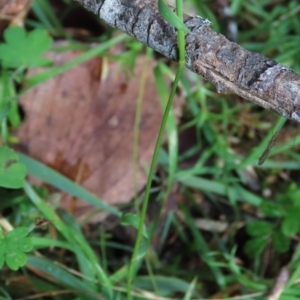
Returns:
(227, 65)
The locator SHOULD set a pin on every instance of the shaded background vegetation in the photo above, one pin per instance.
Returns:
(227, 228)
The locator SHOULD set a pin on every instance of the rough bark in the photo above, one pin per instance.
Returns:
(227, 65)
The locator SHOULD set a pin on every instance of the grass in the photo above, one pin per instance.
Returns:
(233, 224)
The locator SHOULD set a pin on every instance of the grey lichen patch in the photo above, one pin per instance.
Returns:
(91, 5)
(196, 47)
(255, 65)
(230, 59)
(140, 28)
(288, 92)
(110, 11)
(229, 55)
(163, 38)
(295, 116)
(267, 78)
(196, 23)
(221, 87)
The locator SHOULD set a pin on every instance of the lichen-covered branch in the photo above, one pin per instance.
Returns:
(227, 65)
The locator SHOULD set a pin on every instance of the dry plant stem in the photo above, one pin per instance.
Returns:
(279, 285)
(5, 224)
(227, 65)
(265, 154)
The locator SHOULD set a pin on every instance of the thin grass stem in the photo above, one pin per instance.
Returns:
(134, 261)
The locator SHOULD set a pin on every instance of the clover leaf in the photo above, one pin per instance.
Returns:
(12, 248)
(12, 173)
(24, 50)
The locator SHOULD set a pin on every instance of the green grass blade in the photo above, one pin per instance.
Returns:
(41, 77)
(41, 243)
(203, 250)
(4, 292)
(171, 125)
(61, 182)
(167, 285)
(171, 17)
(252, 159)
(62, 276)
(207, 185)
(75, 238)
(189, 292)
(47, 211)
(45, 13)
(85, 268)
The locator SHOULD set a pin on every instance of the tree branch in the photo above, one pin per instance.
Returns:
(227, 65)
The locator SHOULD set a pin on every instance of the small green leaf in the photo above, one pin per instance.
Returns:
(143, 248)
(1, 261)
(24, 50)
(4, 111)
(12, 173)
(13, 246)
(272, 209)
(15, 260)
(25, 245)
(255, 247)
(290, 224)
(171, 17)
(17, 233)
(280, 242)
(130, 219)
(16, 240)
(2, 252)
(259, 228)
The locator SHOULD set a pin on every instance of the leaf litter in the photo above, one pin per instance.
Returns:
(81, 124)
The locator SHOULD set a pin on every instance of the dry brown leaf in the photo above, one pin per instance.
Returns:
(13, 12)
(82, 125)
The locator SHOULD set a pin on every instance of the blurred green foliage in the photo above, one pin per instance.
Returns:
(210, 164)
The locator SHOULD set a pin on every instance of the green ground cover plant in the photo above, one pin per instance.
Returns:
(217, 177)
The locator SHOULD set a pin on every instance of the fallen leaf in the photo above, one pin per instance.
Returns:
(13, 12)
(81, 123)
